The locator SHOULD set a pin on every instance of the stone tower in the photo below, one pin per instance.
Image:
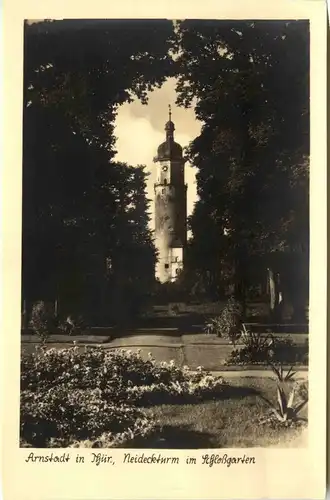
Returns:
(170, 207)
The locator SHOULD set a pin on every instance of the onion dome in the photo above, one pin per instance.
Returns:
(169, 150)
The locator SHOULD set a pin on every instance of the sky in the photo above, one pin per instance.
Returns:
(140, 130)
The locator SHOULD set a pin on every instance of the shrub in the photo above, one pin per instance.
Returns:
(287, 352)
(78, 394)
(42, 320)
(72, 324)
(59, 416)
(256, 349)
(118, 372)
(228, 323)
(187, 389)
(261, 349)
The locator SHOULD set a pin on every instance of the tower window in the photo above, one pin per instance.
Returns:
(167, 266)
(165, 182)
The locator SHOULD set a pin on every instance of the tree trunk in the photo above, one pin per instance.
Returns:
(275, 296)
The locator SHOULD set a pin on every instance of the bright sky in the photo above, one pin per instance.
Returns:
(140, 130)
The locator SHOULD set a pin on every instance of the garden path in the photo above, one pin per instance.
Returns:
(193, 350)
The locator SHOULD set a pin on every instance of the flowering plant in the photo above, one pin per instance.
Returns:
(119, 374)
(84, 393)
(66, 416)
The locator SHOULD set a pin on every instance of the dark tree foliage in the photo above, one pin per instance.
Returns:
(85, 223)
(251, 84)
(85, 216)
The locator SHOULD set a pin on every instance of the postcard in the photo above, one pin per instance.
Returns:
(164, 250)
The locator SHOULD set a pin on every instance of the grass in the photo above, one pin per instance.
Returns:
(231, 422)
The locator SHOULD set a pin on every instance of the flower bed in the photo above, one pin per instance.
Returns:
(270, 348)
(69, 394)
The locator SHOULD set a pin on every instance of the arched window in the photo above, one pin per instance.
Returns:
(165, 182)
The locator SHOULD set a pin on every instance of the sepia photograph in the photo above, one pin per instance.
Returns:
(164, 293)
(165, 234)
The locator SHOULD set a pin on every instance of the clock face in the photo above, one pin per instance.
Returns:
(165, 168)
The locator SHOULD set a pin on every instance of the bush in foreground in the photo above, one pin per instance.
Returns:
(59, 416)
(72, 394)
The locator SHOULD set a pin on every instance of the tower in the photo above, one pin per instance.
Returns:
(170, 207)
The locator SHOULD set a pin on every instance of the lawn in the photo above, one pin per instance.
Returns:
(94, 397)
(227, 423)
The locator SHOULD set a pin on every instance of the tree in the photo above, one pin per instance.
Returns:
(251, 84)
(130, 251)
(76, 74)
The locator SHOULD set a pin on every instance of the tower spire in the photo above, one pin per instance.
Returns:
(169, 126)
